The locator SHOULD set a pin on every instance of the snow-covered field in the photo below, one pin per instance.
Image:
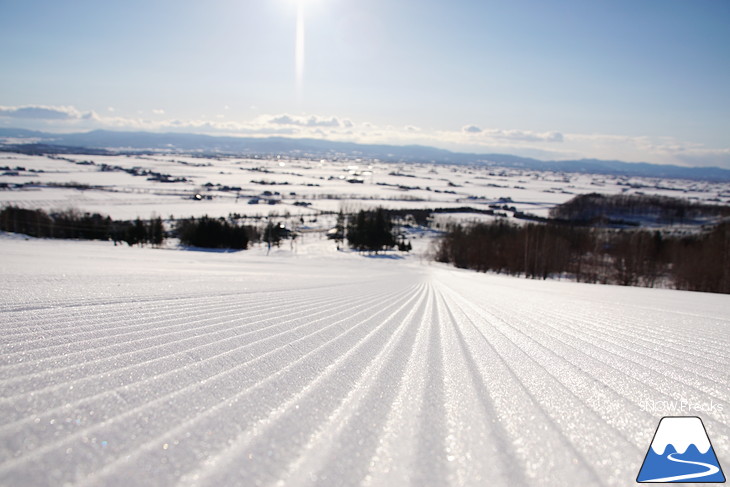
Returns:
(127, 187)
(137, 366)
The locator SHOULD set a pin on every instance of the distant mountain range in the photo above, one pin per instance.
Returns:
(104, 141)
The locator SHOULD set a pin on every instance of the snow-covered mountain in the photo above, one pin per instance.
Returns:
(681, 432)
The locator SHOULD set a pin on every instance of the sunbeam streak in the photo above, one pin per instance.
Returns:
(299, 50)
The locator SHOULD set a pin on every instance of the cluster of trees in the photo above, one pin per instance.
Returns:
(205, 232)
(597, 208)
(422, 216)
(626, 257)
(702, 263)
(372, 231)
(85, 226)
(215, 233)
(139, 232)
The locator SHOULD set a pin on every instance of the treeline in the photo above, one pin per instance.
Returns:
(75, 225)
(625, 257)
(205, 232)
(215, 233)
(594, 208)
(422, 216)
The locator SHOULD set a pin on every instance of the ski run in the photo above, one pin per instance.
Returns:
(127, 366)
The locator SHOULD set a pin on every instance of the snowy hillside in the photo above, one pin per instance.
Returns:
(129, 366)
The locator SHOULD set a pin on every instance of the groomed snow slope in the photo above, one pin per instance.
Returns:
(126, 366)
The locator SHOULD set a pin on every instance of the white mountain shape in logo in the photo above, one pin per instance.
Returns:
(680, 432)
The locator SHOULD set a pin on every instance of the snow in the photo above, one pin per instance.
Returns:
(309, 366)
(43, 183)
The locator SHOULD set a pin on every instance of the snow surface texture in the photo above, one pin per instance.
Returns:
(128, 366)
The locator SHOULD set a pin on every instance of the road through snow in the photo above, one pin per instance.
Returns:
(157, 367)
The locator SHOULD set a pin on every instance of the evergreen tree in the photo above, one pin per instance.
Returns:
(371, 231)
(156, 232)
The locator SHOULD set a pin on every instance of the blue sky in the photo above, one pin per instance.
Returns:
(639, 80)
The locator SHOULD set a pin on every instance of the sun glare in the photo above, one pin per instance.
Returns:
(299, 48)
(299, 45)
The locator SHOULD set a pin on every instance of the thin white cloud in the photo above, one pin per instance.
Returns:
(523, 136)
(468, 138)
(705, 158)
(44, 112)
(310, 121)
(554, 137)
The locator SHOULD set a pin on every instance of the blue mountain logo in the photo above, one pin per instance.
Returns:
(681, 452)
